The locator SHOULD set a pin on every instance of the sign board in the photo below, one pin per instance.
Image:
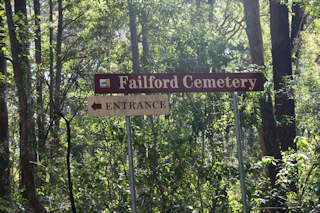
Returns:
(178, 82)
(128, 105)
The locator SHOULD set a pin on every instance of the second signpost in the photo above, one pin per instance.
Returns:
(159, 104)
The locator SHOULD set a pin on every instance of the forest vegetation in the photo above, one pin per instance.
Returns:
(55, 158)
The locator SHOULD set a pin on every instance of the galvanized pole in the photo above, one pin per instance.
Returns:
(239, 149)
(131, 169)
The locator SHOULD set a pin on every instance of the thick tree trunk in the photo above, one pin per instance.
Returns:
(268, 141)
(267, 131)
(22, 79)
(4, 130)
(252, 15)
(282, 70)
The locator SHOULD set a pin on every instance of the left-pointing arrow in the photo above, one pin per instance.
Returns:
(96, 106)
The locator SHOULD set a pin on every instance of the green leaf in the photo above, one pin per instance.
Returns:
(302, 142)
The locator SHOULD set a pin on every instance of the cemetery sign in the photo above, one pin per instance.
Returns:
(177, 82)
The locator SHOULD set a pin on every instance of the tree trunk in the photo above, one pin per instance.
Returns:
(4, 130)
(267, 131)
(267, 134)
(268, 141)
(135, 67)
(299, 19)
(210, 16)
(39, 70)
(51, 71)
(21, 68)
(70, 186)
(57, 82)
(145, 43)
(297, 23)
(282, 71)
(252, 15)
(198, 4)
(51, 58)
(134, 37)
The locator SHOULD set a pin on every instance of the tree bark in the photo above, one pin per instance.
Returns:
(22, 78)
(298, 20)
(267, 130)
(51, 72)
(135, 66)
(134, 37)
(252, 16)
(282, 70)
(57, 81)
(145, 43)
(4, 130)
(268, 141)
(39, 70)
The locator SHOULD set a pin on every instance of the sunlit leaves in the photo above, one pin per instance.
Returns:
(189, 157)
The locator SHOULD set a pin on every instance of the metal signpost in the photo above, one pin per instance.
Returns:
(239, 151)
(159, 104)
(131, 168)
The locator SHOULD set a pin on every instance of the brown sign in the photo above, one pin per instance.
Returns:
(178, 82)
(128, 105)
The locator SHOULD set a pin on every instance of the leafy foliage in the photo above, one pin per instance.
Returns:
(187, 162)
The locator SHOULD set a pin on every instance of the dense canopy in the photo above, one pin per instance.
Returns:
(55, 158)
